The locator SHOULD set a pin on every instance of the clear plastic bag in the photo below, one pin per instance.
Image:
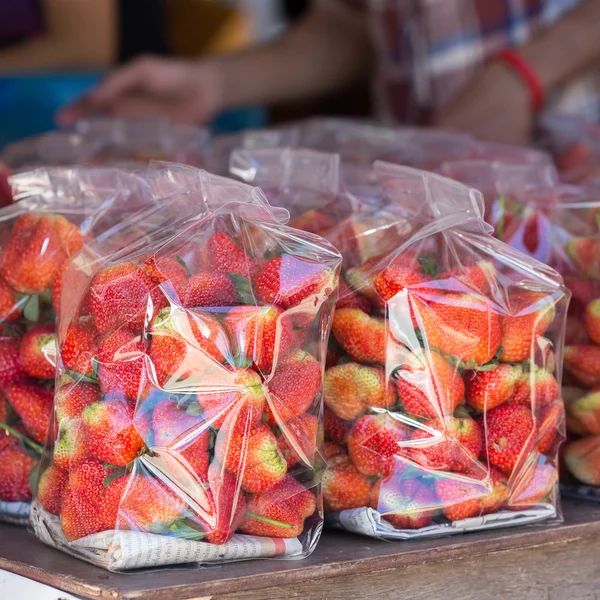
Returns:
(442, 394)
(191, 432)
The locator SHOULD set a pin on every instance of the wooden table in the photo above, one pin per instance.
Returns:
(539, 563)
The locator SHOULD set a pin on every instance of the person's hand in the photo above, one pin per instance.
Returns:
(495, 107)
(181, 91)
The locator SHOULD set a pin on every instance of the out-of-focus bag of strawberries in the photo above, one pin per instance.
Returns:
(55, 212)
(189, 428)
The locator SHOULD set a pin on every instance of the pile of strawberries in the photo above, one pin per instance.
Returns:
(189, 389)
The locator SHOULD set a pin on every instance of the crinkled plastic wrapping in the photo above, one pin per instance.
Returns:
(189, 428)
(443, 411)
(55, 212)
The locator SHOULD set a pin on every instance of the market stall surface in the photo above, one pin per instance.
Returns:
(549, 563)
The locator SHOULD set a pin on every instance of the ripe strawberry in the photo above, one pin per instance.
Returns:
(499, 492)
(298, 440)
(3, 410)
(122, 368)
(72, 398)
(120, 297)
(591, 320)
(396, 277)
(80, 346)
(7, 439)
(11, 370)
(349, 390)
(583, 362)
(404, 503)
(481, 276)
(33, 404)
(575, 332)
(252, 454)
(57, 286)
(461, 498)
(314, 221)
(586, 410)
(70, 236)
(15, 469)
(33, 254)
(37, 352)
(186, 343)
(10, 307)
(362, 281)
(428, 385)
(484, 390)
(50, 489)
(582, 458)
(299, 337)
(570, 396)
(583, 292)
(361, 336)
(533, 484)
(168, 272)
(331, 451)
(530, 315)
(221, 253)
(344, 487)
(293, 387)
(508, 429)
(584, 252)
(70, 448)
(209, 288)
(241, 397)
(374, 440)
(110, 431)
(287, 281)
(348, 298)
(536, 388)
(280, 511)
(260, 334)
(335, 429)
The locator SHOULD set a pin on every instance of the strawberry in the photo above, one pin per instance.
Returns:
(298, 440)
(361, 336)
(33, 404)
(288, 280)
(72, 398)
(299, 337)
(349, 390)
(586, 411)
(591, 320)
(499, 493)
(11, 370)
(335, 429)
(10, 307)
(536, 388)
(37, 352)
(221, 253)
(168, 273)
(15, 469)
(582, 458)
(428, 385)
(293, 387)
(348, 298)
(530, 314)
(344, 487)
(484, 390)
(70, 448)
(576, 161)
(209, 288)
(570, 396)
(110, 431)
(120, 297)
(396, 277)
(583, 362)
(314, 221)
(6, 194)
(3, 410)
(79, 347)
(584, 252)
(362, 281)
(533, 485)
(57, 286)
(122, 367)
(280, 511)
(481, 276)
(50, 489)
(252, 454)
(508, 429)
(373, 441)
(404, 503)
(261, 334)
(583, 292)
(461, 498)
(331, 450)
(70, 236)
(186, 343)
(575, 332)
(550, 426)
(32, 254)
(242, 397)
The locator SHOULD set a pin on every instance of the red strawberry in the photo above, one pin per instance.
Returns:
(586, 411)
(428, 385)
(533, 484)
(173, 425)
(72, 398)
(536, 388)
(348, 298)
(11, 370)
(404, 503)
(362, 281)
(80, 346)
(396, 277)
(584, 252)
(70, 236)
(168, 272)
(15, 469)
(122, 368)
(288, 280)
(209, 288)
(349, 390)
(570, 396)
(499, 493)
(221, 253)
(33, 254)
(591, 320)
(280, 511)
(50, 489)
(482, 276)
(241, 397)
(111, 434)
(6, 195)
(530, 315)
(583, 292)
(299, 337)
(259, 333)
(344, 487)
(361, 336)
(57, 286)
(374, 440)
(10, 307)
(33, 404)
(332, 450)
(37, 352)
(3, 410)
(298, 440)
(508, 429)
(461, 498)
(336, 430)
(575, 332)
(314, 221)
(293, 387)
(70, 448)
(582, 458)
(7, 439)
(583, 362)
(484, 390)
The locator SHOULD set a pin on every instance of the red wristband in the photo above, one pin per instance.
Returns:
(527, 74)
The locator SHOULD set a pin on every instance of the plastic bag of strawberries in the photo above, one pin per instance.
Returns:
(443, 409)
(55, 212)
(195, 438)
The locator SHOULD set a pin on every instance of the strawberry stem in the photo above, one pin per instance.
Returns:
(23, 438)
(269, 521)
